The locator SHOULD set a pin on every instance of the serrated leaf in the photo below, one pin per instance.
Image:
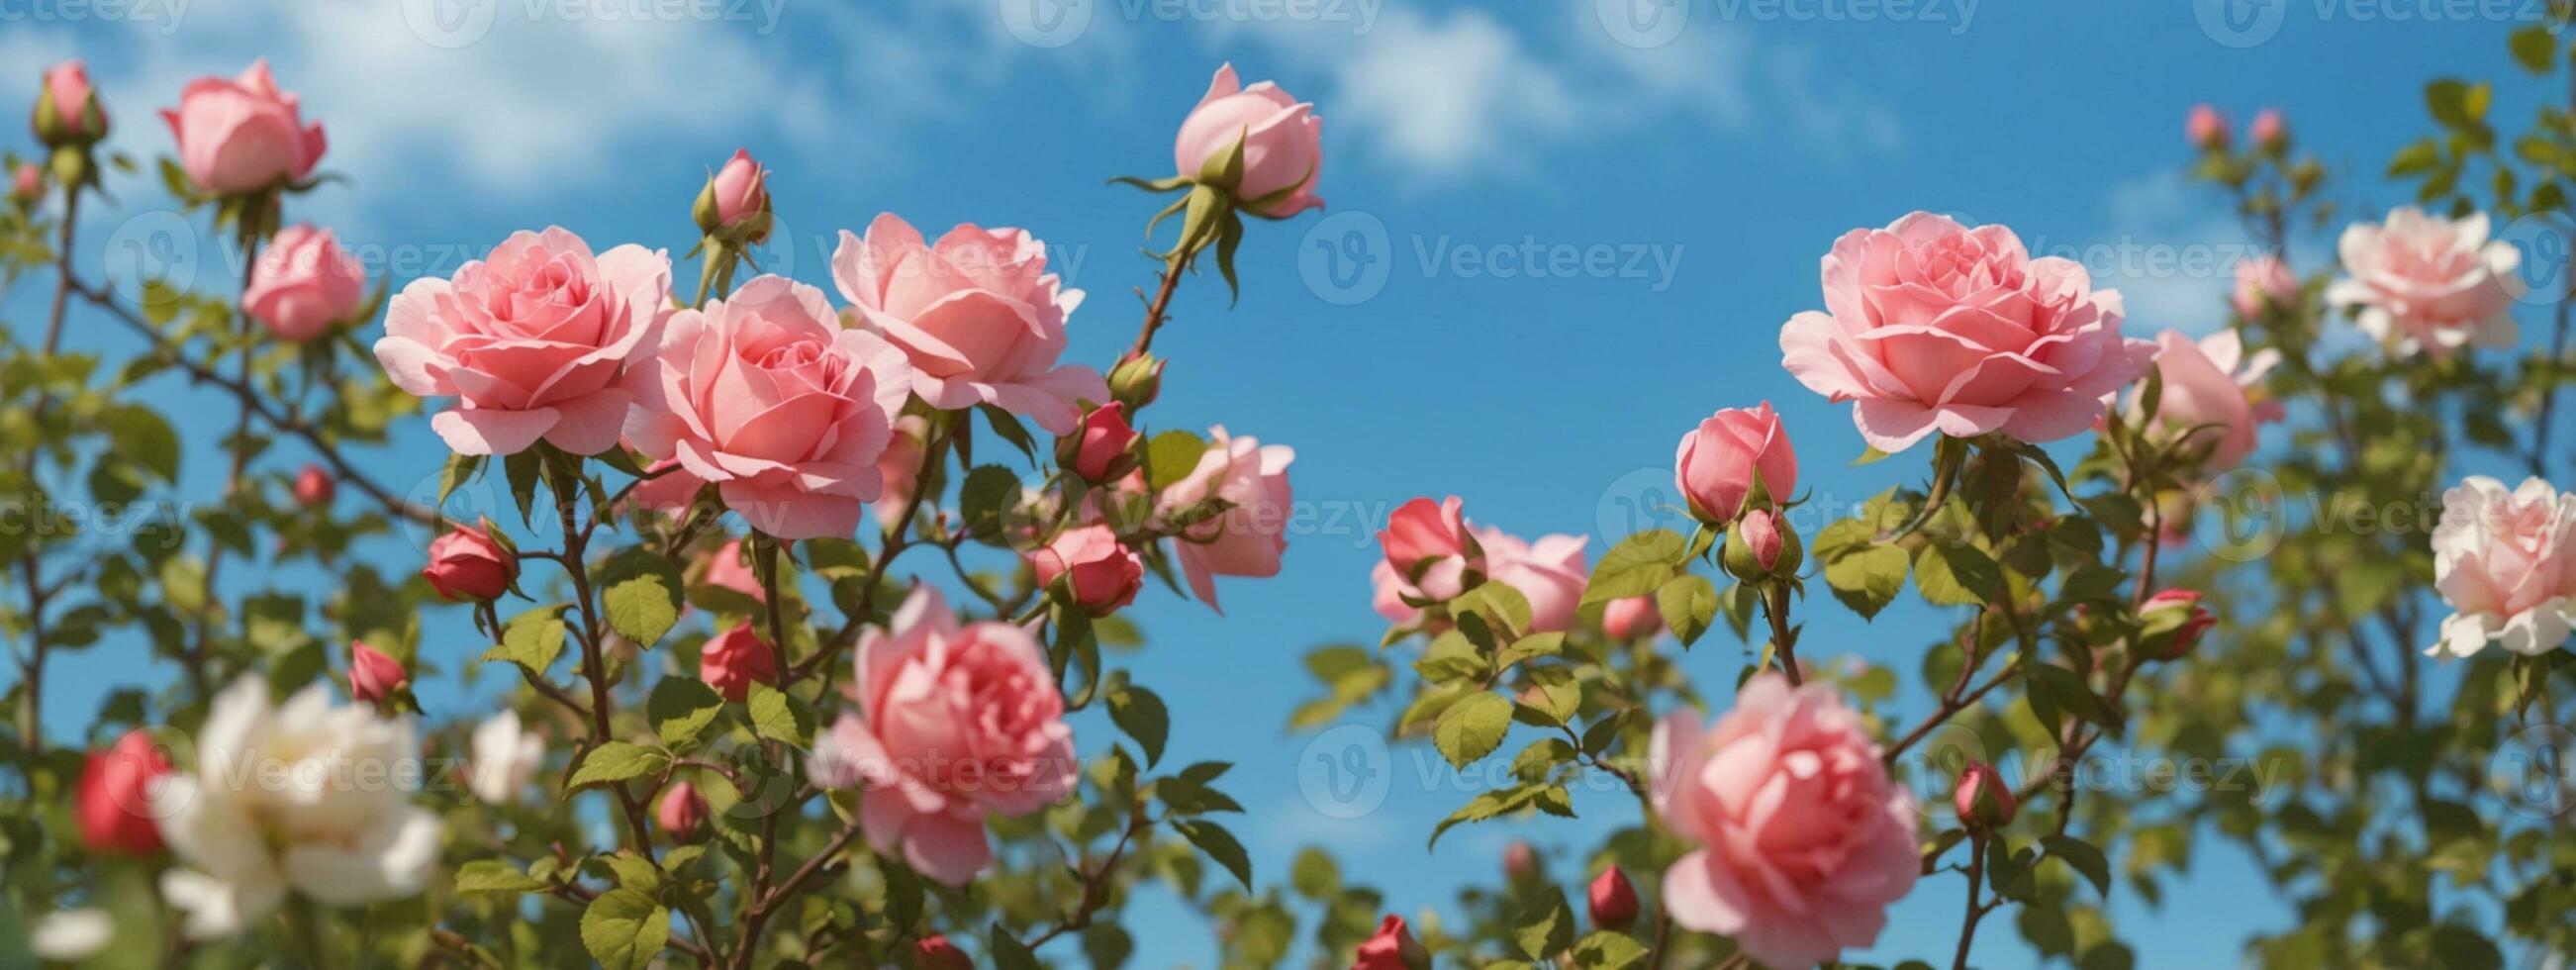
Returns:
(1472, 728)
(779, 716)
(988, 496)
(1170, 457)
(616, 761)
(1866, 580)
(1008, 952)
(681, 708)
(1689, 605)
(494, 876)
(625, 929)
(1638, 565)
(532, 640)
(1957, 574)
(2083, 858)
(641, 592)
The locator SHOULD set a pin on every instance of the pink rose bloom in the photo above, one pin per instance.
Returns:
(67, 89)
(2269, 129)
(736, 659)
(954, 721)
(1550, 573)
(1932, 326)
(112, 802)
(243, 135)
(1390, 590)
(1283, 145)
(530, 340)
(2213, 392)
(2262, 278)
(728, 569)
(1392, 948)
(671, 488)
(1715, 464)
(1430, 550)
(682, 812)
(468, 564)
(28, 182)
(1804, 839)
(1102, 573)
(768, 396)
(978, 314)
(1096, 453)
(900, 468)
(374, 674)
(304, 283)
(2503, 561)
(2424, 282)
(1248, 539)
(2206, 128)
(314, 487)
(1630, 618)
(738, 191)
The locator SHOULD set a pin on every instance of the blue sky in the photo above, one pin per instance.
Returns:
(1712, 155)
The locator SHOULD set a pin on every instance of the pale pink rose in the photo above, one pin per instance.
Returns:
(682, 812)
(2260, 279)
(1804, 840)
(2506, 562)
(530, 340)
(1932, 326)
(1716, 462)
(1283, 146)
(1102, 574)
(2427, 283)
(1389, 591)
(27, 183)
(1983, 798)
(67, 90)
(671, 488)
(243, 135)
(736, 659)
(1250, 537)
(2270, 129)
(2205, 127)
(1550, 573)
(900, 467)
(2212, 391)
(304, 283)
(739, 191)
(978, 314)
(1631, 617)
(1430, 549)
(955, 720)
(766, 395)
(728, 569)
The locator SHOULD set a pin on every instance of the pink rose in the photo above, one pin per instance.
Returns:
(243, 135)
(978, 314)
(303, 284)
(1392, 948)
(1550, 573)
(728, 569)
(768, 396)
(682, 812)
(1430, 550)
(2262, 280)
(2270, 130)
(899, 466)
(954, 721)
(313, 487)
(1983, 799)
(1101, 574)
(1281, 137)
(67, 109)
(936, 953)
(2506, 563)
(373, 675)
(1099, 452)
(736, 200)
(736, 659)
(1389, 593)
(1612, 899)
(27, 183)
(2212, 392)
(2175, 621)
(2206, 128)
(1932, 326)
(1629, 618)
(2424, 282)
(671, 488)
(1250, 537)
(468, 564)
(112, 802)
(1804, 839)
(530, 340)
(1715, 464)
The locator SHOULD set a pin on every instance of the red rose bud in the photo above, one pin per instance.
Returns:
(1520, 862)
(67, 110)
(735, 202)
(1100, 573)
(313, 487)
(1614, 900)
(734, 659)
(2270, 130)
(113, 800)
(1098, 451)
(2206, 128)
(936, 953)
(2174, 622)
(468, 564)
(1716, 463)
(374, 676)
(683, 812)
(1760, 548)
(1136, 380)
(1393, 948)
(1630, 618)
(1984, 801)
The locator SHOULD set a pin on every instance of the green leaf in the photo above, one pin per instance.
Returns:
(1867, 579)
(532, 639)
(2457, 947)
(988, 496)
(1608, 950)
(1638, 565)
(625, 929)
(779, 716)
(1170, 457)
(522, 470)
(1472, 728)
(1688, 604)
(1008, 952)
(1010, 429)
(1140, 712)
(494, 876)
(616, 761)
(2535, 47)
(1219, 845)
(1545, 926)
(641, 591)
(1957, 574)
(2457, 103)
(681, 709)
(2083, 857)
(1315, 875)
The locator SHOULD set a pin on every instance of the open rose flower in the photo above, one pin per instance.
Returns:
(1251, 536)
(978, 314)
(530, 340)
(1550, 573)
(2426, 283)
(1932, 326)
(2213, 392)
(765, 394)
(955, 720)
(1430, 552)
(243, 135)
(304, 283)
(1283, 143)
(2506, 562)
(1804, 840)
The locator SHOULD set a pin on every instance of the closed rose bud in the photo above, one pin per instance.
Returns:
(1520, 861)
(1630, 618)
(736, 658)
(1984, 801)
(304, 284)
(1614, 900)
(1136, 380)
(1393, 948)
(936, 953)
(468, 564)
(374, 675)
(1434, 556)
(1100, 573)
(27, 184)
(1279, 138)
(113, 801)
(2174, 622)
(683, 812)
(2206, 128)
(735, 202)
(1761, 548)
(243, 134)
(2270, 131)
(1715, 465)
(67, 110)
(1097, 450)
(313, 487)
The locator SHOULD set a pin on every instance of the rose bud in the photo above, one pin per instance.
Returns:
(1614, 900)
(112, 801)
(1985, 803)
(683, 812)
(27, 184)
(67, 109)
(314, 487)
(468, 564)
(242, 134)
(1520, 861)
(1097, 450)
(1434, 556)
(2174, 622)
(304, 284)
(2206, 128)
(1630, 618)
(734, 659)
(2270, 130)
(373, 675)
(735, 203)
(1715, 464)
(1393, 948)
(1760, 548)
(1136, 380)
(2263, 279)
(1100, 574)
(1278, 139)
(936, 953)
